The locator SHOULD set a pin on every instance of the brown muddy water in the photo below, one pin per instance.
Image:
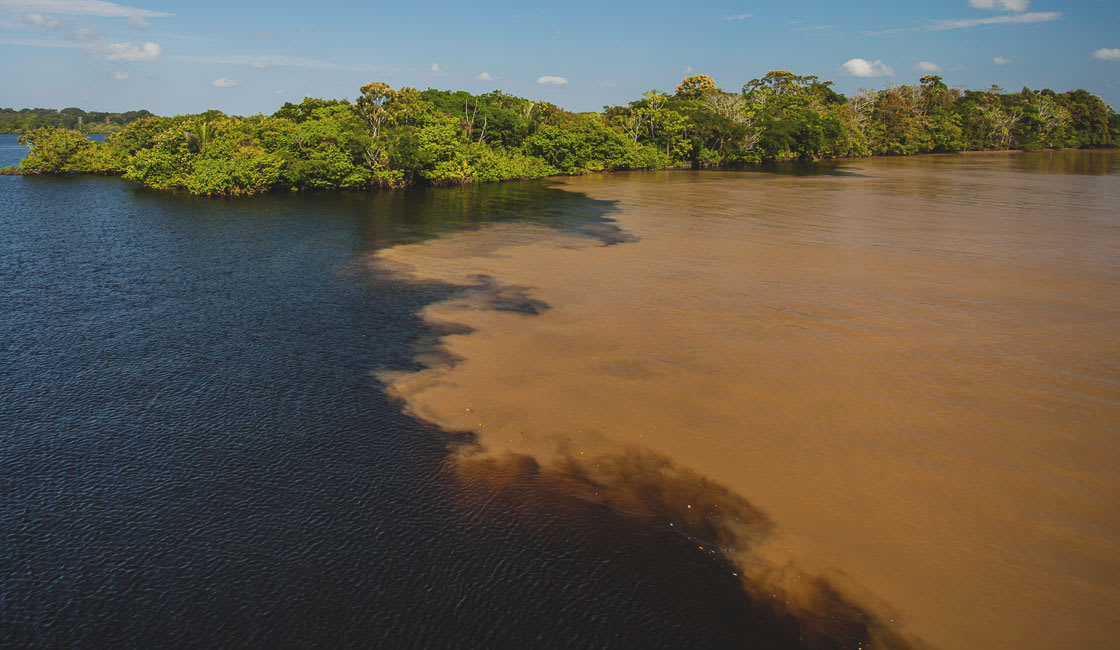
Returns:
(895, 382)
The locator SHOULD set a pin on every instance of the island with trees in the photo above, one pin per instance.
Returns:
(393, 138)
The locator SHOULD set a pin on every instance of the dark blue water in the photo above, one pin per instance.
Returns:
(11, 151)
(194, 450)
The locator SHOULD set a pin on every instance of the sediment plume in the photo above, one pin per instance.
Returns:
(904, 376)
(789, 609)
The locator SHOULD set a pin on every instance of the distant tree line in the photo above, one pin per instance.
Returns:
(29, 119)
(401, 137)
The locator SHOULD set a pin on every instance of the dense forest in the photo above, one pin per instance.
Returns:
(397, 138)
(29, 119)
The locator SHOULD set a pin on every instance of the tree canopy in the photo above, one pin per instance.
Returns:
(29, 119)
(399, 137)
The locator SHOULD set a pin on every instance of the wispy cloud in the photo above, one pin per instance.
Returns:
(223, 82)
(966, 23)
(483, 76)
(120, 76)
(1033, 17)
(279, 61)
(729, 18)
(1001, 60)
(865, 68)
(435, 67)
(552, 81)
(927, 66)
(137, 22)
(1107, 54)
(39, 21)
(78, 8)
(1004, 5)
(148, 51)
(85, 34)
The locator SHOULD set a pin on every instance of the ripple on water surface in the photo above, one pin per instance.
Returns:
(194, 450)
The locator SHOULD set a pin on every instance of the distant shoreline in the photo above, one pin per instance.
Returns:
(759, 166)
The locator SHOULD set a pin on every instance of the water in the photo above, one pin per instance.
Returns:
(194, 449)
(907, 372)
(809, 380)
(11, 151)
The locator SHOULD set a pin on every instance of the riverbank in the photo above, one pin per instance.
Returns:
(760, 165)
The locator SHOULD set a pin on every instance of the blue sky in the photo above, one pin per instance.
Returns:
(248, 57)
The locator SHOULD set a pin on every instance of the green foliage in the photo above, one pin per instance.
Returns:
(695, 86)
(29, 119)
(1089, 119)
(60, 151)
(305, 110)
(589, 145)
(400, 137)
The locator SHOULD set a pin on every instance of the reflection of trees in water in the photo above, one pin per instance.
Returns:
(396, 216)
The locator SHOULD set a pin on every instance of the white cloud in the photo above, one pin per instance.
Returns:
(435, 67)
(120, 76)
(138, 22)
(39, 21)
(737, 17)
(1033, 17)
(927, 66)
(865, 68)
(84, 34)
(1001, 60)
(687, 69)
(148, 51)
(552, 81)
(1005, 5)
(1106, 54)
(223, 82)
(78, 7)
(483, 76)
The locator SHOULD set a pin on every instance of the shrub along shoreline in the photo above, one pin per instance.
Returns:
(399, 138)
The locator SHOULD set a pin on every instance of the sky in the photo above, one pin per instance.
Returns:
(246, 57)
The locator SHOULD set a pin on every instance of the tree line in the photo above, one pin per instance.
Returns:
(29, 119)
(402, 137)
